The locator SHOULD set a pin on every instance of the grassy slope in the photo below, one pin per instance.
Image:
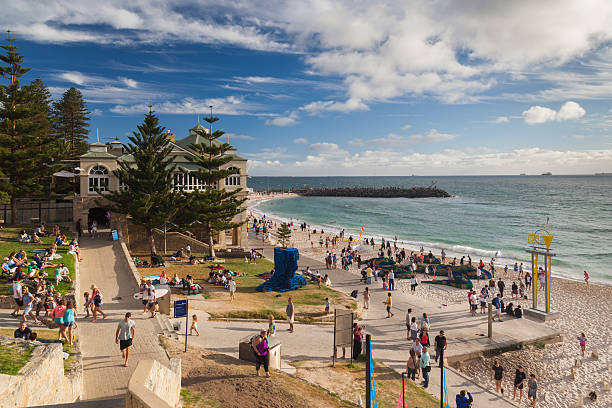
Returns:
(13, 358)
(309, 300)
(51, 335)
(9, 243)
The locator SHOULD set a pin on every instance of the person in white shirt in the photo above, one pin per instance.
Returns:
(150, 294)
(232, 289)
(417, 347)
(473, 304)
(17, 297)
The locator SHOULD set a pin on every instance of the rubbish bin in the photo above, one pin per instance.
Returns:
(246, 352)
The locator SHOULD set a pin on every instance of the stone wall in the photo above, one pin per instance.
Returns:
(41, 381)
(153, 385)
(138, 241)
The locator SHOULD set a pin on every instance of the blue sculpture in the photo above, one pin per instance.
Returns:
(285, 265)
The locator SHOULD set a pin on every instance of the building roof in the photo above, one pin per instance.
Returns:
(98, 155)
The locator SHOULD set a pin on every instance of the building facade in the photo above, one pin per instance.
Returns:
(96, 173)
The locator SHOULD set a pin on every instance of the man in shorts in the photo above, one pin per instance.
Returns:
(519, 382)
(124, 336)
(17, 296)
(498, 307)
(290, 312)
(497, 374)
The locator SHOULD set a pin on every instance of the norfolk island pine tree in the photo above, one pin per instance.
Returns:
(28, 147)
(284, 234)
(213, 208)
(148, 197)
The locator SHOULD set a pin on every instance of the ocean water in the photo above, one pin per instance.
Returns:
(485, 216)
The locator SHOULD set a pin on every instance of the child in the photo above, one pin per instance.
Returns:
(87, 302)
(271, 325)
(194, 325)
(389, 304)
(327, 305)
(58, 276)
(583, 341)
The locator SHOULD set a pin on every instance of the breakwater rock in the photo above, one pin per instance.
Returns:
(378, 192)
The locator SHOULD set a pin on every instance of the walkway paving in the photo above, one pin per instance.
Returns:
(104, 375)
(389, 343)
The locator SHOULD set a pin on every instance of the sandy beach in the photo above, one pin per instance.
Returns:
(583, 308)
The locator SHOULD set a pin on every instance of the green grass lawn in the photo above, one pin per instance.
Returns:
(50, 335)
(9, 243)
(309, 300)
(13, 358)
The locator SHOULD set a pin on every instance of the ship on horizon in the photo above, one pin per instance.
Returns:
(548, 173)
(603, 174)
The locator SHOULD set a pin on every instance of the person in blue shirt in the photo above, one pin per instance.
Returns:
(463, 401)
(425, 367)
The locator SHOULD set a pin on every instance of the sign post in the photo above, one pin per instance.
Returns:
(343, 332)
(181, 308)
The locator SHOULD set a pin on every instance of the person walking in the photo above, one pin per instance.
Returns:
(464, 401)
(532, 390)
(408, 320)
(497, 374)
(290, 312)
(58, 317)
(501, 286)
(473, 303)
(519, 382)
(97, 302)
(586, 279)
(28, 306)
(389, 303)
(357, 340)
(414, 329)
(412, 366)
(440, 342)
(194, 325)
(261, 348)
(366, 298)
(413, 283)
(582, 339)
(425, 367)
(391, 280)
(498, 307)
(124, 336)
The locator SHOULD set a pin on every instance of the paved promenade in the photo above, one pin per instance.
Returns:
(104, 375)
(388, 335)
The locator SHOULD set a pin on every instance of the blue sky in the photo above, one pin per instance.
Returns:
(322, 87)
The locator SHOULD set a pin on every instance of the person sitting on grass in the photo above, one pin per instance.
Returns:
(35, 239)
(73, 249)
(22, 332)
(40, 230)
(6, 269)
(23, 236)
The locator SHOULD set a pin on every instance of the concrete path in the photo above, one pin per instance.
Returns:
(104, 375)
(389, 343)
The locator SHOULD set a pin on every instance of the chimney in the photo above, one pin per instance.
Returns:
(116, 147)
(170, 136)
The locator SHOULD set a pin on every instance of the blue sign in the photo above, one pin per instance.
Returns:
(115, 235)
(180, 308)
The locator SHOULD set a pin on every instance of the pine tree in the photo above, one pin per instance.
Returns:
(26, 141)
(284, 234)
(148, 198)
(213, 208)
(71, 121)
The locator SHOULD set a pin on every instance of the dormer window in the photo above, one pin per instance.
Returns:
(98, 179)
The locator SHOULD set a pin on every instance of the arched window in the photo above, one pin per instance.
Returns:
(98, 179)
(234, 179)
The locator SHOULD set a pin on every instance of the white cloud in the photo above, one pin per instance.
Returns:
(541, 114)
(325, 149)
(300, 140)
(502, 119)
(130, 83)
(270, 154)
(570, 110)
(96, 112)
(239, 137)
(450, 51)
(406, 127)
(75, 77)
(393, 139)
(471, 161)
(289, 120)
(231, 105)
